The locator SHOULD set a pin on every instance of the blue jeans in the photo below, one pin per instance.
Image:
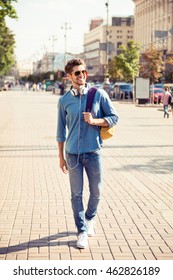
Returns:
(92, 164)
(165, 108)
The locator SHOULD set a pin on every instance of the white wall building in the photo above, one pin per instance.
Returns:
(102, 43)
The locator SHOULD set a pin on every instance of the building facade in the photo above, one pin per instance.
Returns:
(102, 43)
(154, 24)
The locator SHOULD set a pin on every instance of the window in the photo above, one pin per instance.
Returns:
(119, 44)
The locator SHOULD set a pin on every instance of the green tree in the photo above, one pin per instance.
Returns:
(126, 64)
(7, 41)
(7, 9)
(6, 49)
(114, 72)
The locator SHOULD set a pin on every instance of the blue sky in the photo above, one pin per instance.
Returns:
(40, 20)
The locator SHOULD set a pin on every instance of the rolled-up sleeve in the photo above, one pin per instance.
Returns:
(61, 123)
(109, 112)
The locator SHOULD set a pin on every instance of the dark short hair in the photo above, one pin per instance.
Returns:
(166, 88)
(72, 63)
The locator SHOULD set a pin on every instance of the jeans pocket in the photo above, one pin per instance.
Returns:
(72, 160)
(94, 154)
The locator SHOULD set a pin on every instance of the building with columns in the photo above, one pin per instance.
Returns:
(154, 24)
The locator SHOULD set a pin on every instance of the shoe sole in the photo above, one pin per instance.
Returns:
(82, 247)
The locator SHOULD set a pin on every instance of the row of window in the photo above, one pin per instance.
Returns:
(120, 37)
(121, 31)
(93, 48)
(96, 45)
(95, 54)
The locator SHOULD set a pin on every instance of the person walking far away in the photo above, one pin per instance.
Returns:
(80, 148)
(166, 102)
(171, 102)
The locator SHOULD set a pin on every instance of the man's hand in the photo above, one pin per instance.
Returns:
(62, 162)
(88, 118)
(63, 165)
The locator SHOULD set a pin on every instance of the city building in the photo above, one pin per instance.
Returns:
(24, 67)
(45, 64)
(95, 23)
(154, 24)
(102, 43)
(52, 62)
(59, 60)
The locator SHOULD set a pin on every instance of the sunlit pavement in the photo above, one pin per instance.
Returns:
(135, 218)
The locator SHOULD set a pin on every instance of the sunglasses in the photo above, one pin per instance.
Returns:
(77, 73)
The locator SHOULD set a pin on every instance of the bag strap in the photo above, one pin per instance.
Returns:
(90, 98)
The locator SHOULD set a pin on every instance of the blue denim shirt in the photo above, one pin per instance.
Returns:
(81, 137)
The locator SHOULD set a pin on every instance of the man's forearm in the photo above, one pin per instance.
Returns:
(100, 122)
(62, 161)
(61, 149)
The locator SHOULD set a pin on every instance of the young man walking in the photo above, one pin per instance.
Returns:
(79, 144)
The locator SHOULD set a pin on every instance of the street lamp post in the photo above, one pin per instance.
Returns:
(65, 27)
(107, 47)
(53, 38)
(106, 84)
(107, 30)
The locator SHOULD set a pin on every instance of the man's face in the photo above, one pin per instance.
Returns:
(78, 76)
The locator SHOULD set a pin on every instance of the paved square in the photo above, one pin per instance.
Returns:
(135, 218)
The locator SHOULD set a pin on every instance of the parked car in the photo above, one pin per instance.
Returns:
(158, 85)
(156, 95)
(121, 90)
(126, 91)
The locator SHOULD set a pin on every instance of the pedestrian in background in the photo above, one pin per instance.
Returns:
(82, 144)
(166, 102)
(34, 87)
(27, 86)
(62, 88)
(171, 103)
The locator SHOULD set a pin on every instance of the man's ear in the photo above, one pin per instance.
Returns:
(69, 76)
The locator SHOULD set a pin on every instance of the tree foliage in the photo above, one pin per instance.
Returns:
(7, 40)
(7, 9)
(152, 64)
(126, 65)
(114, 72)
(6, 49)
(169, 68)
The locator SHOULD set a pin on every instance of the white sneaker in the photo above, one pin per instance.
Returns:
(90, 227)
(82, 242)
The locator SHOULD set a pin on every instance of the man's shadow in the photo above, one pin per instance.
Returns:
(46, 241)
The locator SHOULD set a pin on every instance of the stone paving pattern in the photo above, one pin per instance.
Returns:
(135, 217)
